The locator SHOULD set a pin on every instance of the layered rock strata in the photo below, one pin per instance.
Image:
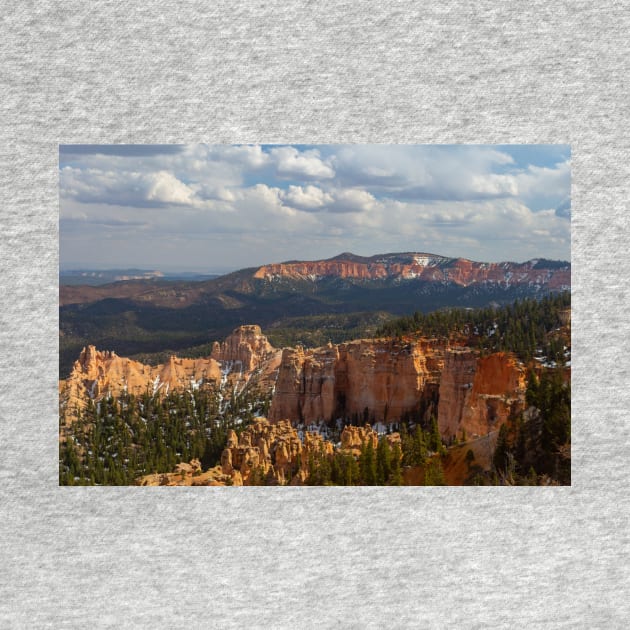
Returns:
(386, 377)
(246, 346)
(370, 380)
(383, 380)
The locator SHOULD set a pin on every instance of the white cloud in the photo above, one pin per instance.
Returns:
(130, 188)
(307, 197)
(537, 181)
(463, 201)
(491, 185)
(426, 172)
(353, 200)
(164, 187)
(248, 156)
(290, 162)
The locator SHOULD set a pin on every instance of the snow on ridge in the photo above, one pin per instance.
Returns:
(425, 260)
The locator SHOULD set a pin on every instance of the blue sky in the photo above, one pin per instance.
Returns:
(221, 207)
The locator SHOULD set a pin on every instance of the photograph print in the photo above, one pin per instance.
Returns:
(315, 315)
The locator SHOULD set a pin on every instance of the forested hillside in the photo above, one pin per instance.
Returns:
(524, 327)
(116, 440)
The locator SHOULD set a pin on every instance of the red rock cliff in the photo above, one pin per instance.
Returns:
(246, 345)
(478, 393)
(391, 378)
(387, 377)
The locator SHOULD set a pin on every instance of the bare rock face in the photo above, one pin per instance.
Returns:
(369, 379)
(354, 438)
(246, 346)
(273, 451)
(389, 378)
(477, 394)
(96, 374)
(305, 388)
(186, 474)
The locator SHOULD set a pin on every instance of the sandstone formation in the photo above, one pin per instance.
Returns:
(246, 346)
(273, 451)
(186, 474)
(353, 438)
(369, 380)
(387, 377)
(97, 374)
(477, 394)
(391, 378)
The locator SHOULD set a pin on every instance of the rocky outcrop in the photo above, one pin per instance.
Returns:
(422, 266)
(96, 373)
(477, 394)
(246, 346)
(383, 380)
(386, 377)
(189, 475)
(306, 384)
(271, 452)
(375, 380)
(354, 438)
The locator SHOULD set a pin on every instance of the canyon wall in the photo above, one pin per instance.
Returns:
(477, 394)
(392, 378)
(387, 377)
(97, 374)
(246, 346)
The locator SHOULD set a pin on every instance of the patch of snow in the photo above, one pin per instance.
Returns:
(426, 261)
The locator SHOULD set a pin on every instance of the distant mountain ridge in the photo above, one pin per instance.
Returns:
(431, 268)
(99, 277)
(423, 267)
(314, 301)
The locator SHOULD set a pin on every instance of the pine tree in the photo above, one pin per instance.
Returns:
(383, 462)
(500, 458)
(395, 475)
(434, 473)
(368, 465)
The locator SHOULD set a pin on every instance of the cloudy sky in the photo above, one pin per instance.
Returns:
(217, 208)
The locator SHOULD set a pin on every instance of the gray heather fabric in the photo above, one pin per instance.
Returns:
(485, 72)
